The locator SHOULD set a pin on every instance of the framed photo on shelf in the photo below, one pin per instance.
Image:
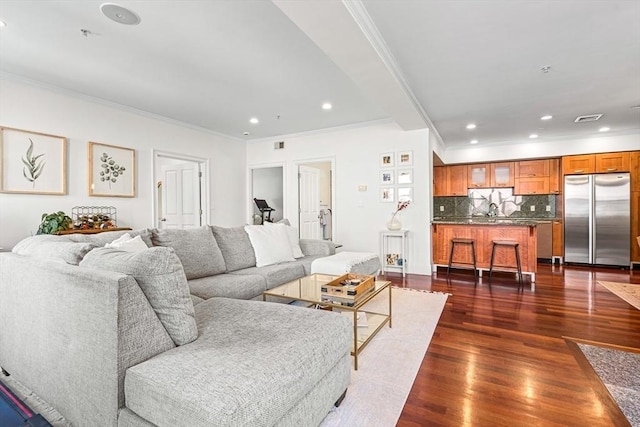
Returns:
(387, 194)
(405, 176)
(405, 158)
(32, 162)
(386, 177)
(112, 170)
(405, 194)
(386, 160)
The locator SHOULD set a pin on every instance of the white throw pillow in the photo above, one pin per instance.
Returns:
(128, 243)
(292, 235)
(270, 244)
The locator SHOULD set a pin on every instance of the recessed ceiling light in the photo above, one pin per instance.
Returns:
(3, 24)
(119, 14)
(471, 126)
(473, 141)
(245, 133)
(533, 136)
(327, 106)
(254, 121)
(604, 129)
(547, 117)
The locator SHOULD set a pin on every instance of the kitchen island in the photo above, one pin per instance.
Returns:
(484, 231)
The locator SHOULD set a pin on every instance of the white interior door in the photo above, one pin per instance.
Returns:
(309, 197)
(181, 204)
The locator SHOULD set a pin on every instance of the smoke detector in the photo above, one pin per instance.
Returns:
(589, 118)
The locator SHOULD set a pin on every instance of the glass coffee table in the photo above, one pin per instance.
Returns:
(366, 324)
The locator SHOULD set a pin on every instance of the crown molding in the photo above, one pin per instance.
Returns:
(93, 99)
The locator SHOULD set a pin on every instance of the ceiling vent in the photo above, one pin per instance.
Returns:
(589, 118)
(278, 145)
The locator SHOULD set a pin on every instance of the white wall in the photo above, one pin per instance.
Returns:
(359, 216)
(597, 144)
(81, 120)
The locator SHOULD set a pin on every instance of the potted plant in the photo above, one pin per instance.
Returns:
(54, 222)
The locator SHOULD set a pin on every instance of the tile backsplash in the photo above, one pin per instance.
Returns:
(478, 201)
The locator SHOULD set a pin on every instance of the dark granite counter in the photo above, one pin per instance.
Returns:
(493, 221)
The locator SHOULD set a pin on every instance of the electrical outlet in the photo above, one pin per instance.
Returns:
(441, 208)
(533, 208)
(548, 208)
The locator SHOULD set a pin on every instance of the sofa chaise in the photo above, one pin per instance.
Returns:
(153, 337)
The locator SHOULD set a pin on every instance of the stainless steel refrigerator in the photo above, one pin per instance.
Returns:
(597, 221)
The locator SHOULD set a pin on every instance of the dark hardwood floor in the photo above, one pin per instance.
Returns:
(498, 356)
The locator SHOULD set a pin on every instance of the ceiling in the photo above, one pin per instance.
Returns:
(443, 64)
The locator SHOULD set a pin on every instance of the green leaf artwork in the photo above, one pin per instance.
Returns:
(33, 165)
(111, 171)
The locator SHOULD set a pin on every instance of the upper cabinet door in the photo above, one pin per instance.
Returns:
(585, 163)
(440, 181)
(478, 176)
(457, 178)
(532, 168)
(634, 168)
(555, 178)
(502, 174)
(612, 162)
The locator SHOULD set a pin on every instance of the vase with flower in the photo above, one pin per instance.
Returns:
(394, 223)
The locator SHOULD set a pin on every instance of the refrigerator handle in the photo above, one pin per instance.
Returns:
(592, 218)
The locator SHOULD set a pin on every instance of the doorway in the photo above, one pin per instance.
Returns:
(181, 191)
(315, 200)
(267, 183)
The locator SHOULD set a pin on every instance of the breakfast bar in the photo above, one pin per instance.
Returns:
(484, 233)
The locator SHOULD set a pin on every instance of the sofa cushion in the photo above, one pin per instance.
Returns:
(229, 286)
(103, 238)
(45, 247)
(270, 244)
(252, 362)
(197, 249)
(235, 246)
(306, 262)
(276, 274)
(161, 277)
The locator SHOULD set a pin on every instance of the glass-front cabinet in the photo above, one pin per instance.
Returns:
(502, 174)
(489, 175)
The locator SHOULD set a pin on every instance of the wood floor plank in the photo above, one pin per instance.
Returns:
(498, 356)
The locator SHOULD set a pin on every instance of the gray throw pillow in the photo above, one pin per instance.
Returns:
(160, 275)
(235, 246)
(196, 248)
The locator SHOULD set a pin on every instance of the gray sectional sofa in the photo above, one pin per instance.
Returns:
(168, 335)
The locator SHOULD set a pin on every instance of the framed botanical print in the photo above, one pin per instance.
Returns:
(32, 162)
(405, 194)
(387, 194)
(386, 177)
(386, 160)
(112, 170)
(405, 176)
(405, 158)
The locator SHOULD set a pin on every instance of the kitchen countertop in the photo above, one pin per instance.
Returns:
(493, 221)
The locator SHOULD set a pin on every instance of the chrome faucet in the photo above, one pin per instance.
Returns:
(493, 210)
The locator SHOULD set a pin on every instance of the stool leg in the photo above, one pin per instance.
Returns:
(450, 258)
(519, 267)
(475, 270)
(493, 252)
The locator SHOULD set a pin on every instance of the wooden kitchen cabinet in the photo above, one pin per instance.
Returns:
(581, 164)
(450, 180)
(478, 176)
(612, 162)
(502, 174)
(557, 246)
(532, 168)
(555, 177)
(531, 185)
(634, 168)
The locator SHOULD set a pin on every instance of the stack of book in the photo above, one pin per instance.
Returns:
(348, 289)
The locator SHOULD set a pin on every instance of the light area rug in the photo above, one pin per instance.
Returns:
(627, 291)
(390, 362)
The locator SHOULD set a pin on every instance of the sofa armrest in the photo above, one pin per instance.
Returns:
(317, 247)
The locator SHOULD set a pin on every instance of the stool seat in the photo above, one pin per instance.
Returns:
(512, 244)
(461, 241)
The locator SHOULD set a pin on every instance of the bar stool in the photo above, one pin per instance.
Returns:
(471, 242)
(510, 244)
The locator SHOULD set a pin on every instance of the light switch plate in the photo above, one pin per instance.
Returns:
(533, 208)
(548, 208)
(441, 208)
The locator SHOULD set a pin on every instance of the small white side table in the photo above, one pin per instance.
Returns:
(390, 239)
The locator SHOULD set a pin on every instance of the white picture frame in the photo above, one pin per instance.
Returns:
(405, 194)
(386, 160)
(404, 176)
(386, 177)
(387, 194)
(405, 158)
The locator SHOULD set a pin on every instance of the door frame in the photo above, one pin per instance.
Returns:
(204, 187)
(334, 201)
(249, 191)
